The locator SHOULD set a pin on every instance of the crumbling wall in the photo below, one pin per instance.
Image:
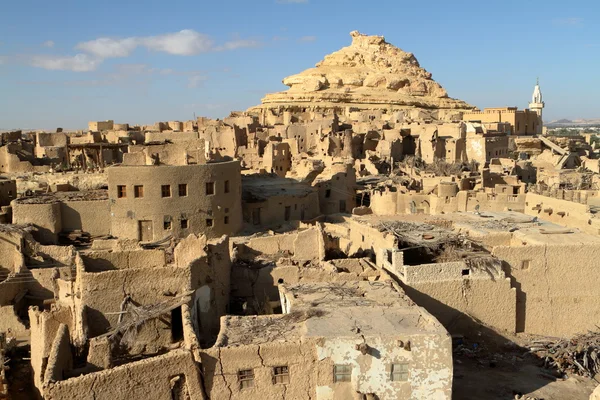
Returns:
(97, 261)
(210, 267)
(278, 210)
(253, 283)
(12, 326)
(353, 237)
(60, 359)
(44, 327)
(429, 358)
(11, 248)
(220, 367)
(562, 212)
(161, 378)
(307, 244)
(103, 292)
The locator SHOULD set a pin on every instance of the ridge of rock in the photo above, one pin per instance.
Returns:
(370, 73)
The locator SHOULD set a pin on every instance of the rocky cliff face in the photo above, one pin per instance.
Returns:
(370, 73)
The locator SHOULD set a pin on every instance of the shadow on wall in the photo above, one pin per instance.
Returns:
(480, 337)
(97, 323)
(521, 298)
(93, 264)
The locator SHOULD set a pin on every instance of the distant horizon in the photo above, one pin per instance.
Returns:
(175, 64)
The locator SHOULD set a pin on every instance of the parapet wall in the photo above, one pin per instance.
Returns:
(160, 377)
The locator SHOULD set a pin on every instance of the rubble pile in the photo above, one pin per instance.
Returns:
(579, 355)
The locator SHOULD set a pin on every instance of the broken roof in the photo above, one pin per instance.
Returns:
(56, 197)
(332, 310)
(259, 187)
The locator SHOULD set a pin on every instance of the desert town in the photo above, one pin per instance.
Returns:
(361, 235)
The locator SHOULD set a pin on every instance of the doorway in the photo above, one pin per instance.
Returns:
(145, 231)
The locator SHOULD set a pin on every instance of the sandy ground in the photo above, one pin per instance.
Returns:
(500, 373)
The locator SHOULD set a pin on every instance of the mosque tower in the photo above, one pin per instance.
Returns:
(537, 105)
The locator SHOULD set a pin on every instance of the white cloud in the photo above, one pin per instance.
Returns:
(184, 43)
(76, 63)
(109, 48)
(306, 39)
(48, 43)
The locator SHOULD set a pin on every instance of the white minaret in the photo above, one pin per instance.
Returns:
(537, 104)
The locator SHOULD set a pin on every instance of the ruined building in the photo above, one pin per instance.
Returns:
(360, 235)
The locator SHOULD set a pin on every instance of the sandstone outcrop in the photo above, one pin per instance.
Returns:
(368, 74)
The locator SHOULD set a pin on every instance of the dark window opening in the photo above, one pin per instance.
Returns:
(167, 224)
(465, 272)
(226, 220)
(328, 193)
(209, 222)
(288, 211)
(176, 325)
(121, 191)
(165, 190)
(256, 216)
(226, 186)
(210, 188)
(183, 190)
(138, 191)
(184, 224)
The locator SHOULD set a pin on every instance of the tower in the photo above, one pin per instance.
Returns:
(537, 105)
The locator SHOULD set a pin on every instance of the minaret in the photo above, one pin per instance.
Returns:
(537, 104)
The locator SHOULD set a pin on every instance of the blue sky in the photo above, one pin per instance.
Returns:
(63, 63)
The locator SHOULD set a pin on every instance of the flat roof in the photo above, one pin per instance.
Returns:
(55, 197)
(526, 228)
(522, 226)
(262, 186)
(332, 310)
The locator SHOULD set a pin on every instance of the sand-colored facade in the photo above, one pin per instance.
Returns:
(149, 203)
(522, 122)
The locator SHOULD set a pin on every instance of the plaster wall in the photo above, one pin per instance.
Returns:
(455, 292)
(103, 292)
(562, 212)
(556, 286)
(273, 210)
(152, 378)
(210, 214)
(88, 216)
(98, 261)
(45, 217)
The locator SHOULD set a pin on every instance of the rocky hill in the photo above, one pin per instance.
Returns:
(370, 73)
